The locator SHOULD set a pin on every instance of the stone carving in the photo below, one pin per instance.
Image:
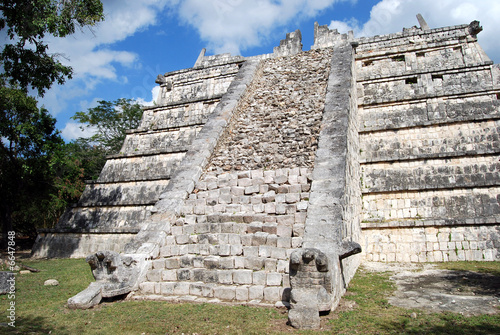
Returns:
(116, 274)
(475, 28)
(312, 282)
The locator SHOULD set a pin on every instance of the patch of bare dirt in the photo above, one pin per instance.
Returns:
(424, 287)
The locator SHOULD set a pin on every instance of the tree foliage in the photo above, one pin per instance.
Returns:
(29, 139)
(110, 120)
(26, 61)
(38, 176)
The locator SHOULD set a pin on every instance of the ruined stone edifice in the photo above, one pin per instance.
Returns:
(388, 141)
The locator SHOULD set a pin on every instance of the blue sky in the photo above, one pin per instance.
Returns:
(122, 56)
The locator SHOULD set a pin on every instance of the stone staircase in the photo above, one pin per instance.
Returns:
(247, 213)
(234, 238)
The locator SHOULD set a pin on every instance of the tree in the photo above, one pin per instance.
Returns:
(111, 120)
(26, 62)
(29, 138)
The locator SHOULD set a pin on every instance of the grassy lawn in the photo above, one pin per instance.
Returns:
(41, 310)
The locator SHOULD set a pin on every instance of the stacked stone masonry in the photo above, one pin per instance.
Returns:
(234, 238)
(281, 120)
(429, 147)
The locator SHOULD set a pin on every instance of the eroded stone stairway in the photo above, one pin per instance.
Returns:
(247, 213)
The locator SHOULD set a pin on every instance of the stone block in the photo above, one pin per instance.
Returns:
(147, 288)
(201, 290)
(287, 220)
(165, 251)
(242, 277)
(184, 274)
(242, 293)
(159, 263)
(251, 251)
(256, 292)
(292, 198)
(259, 238)
(169, 275)
(210, 276)
(270, 208)
(270, 228)
(272, 240)
(182, 239)
(226, 263)
(154, 275)
(236, 250)
(296, 242)
(254, 263)
(273, 279)
(284, 242)
(224, 250)
(226, 293)
(259, 278)
(239, 262)
(181, 288)
(167, 288)
(278, 253)
(253, 189)
(225, 276)
(270, 265)
(264, 251)
(211, 262)
(272, 294)
(281, 208)
(283, 231)
(244, 182)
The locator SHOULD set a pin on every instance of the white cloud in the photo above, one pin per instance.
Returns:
(390, 16)
(154, 96)
(89, 53)
(73, 131)
(234, 25)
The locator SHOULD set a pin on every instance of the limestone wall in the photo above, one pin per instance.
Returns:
(234, 237)
(202, 84)
(429, 147)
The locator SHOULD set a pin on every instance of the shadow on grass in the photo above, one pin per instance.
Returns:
(446, 323)
(33, 325)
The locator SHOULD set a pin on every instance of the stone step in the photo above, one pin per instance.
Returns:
(209, 292)
(196, 262)
(124, 193)
(140, 168)
(422, 113)
(186, 114)
(159, 141)
(85, 218)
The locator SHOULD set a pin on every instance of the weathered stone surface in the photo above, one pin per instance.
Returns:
(51, 282)
(115, 274)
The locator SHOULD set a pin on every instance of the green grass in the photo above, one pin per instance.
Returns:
(482, 267)
(41, 310)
